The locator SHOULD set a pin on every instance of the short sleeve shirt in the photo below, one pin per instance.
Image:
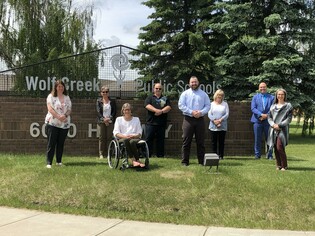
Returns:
(158, 103)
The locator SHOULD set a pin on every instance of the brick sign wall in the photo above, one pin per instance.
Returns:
(22, 127)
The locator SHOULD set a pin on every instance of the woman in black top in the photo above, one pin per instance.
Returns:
(106, 113)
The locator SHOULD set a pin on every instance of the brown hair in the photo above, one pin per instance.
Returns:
(54, 90)
(276, 93)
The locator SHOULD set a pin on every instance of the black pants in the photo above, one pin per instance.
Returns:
(218, 137)
(193, 126)
(131, 147)
(158, 133)
(56, 139)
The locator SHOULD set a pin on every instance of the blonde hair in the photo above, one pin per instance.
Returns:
(217, 93)
(104, 87)
(126, 106)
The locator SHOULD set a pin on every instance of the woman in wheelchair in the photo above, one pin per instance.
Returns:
(128, 130)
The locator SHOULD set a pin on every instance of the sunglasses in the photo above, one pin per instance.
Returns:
(105, 92)
(158, 88)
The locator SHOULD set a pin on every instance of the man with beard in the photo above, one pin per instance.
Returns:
(194, 104)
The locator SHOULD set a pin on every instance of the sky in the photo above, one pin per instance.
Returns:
(118, 21)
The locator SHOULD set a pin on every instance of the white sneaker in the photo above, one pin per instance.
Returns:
(101, 157)
(48, 166)
(59, 164)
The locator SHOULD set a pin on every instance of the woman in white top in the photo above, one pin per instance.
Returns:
(57, 122)
(127, 129)
(218, 115)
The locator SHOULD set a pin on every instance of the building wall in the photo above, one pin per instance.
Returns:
(22, 127)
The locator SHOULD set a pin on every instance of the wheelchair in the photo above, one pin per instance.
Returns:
(117, 153)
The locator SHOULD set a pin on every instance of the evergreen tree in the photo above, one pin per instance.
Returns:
(267, 41)
(175, 43)
(271, 41)
(237, 44)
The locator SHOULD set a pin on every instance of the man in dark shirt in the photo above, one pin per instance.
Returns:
(157, 107)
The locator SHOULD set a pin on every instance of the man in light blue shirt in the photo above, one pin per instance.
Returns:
(194, 104)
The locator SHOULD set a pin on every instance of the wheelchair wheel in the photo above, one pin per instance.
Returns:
(124, 158)
(113, 155)
(144, 153)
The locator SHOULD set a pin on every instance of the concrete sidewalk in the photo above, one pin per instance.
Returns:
(22, 222)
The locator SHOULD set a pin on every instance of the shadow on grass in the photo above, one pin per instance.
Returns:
(242, 158)
(301, 168)
(222, 163)
(84, 163)
(151, 167)
(295, 159)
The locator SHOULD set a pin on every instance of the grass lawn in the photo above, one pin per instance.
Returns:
(246, 193)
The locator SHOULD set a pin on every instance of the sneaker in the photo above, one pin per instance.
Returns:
(48, 166)
(59, 164)
(101, 157)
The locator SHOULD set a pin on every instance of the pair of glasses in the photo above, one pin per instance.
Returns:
(105, 92)
(158, 88)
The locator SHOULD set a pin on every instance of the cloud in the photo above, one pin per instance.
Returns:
(118, 21)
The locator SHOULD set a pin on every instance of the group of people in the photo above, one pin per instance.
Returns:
(127, 128)
(270, 117)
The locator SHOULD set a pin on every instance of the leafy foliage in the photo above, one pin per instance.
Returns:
(237, 44)
(33, 32)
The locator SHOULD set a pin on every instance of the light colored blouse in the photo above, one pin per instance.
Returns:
(218, 111)
(61, 109)
(191, 100)
(106, 110)
(281, 115)
(126, 127)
